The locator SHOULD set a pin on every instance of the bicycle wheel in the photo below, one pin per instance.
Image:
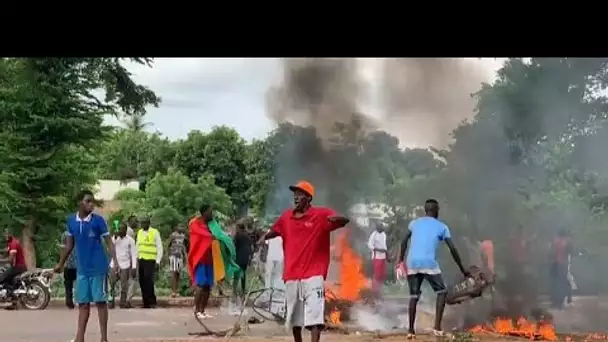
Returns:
(269, 303)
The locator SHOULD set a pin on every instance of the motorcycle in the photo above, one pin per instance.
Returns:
(31, 288)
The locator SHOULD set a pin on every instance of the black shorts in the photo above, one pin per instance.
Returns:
(414, 282)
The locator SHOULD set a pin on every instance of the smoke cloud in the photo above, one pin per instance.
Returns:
(322, 95)
(421, 101)
(426, 98)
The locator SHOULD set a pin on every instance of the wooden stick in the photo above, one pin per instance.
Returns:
(381, 335)
(237, 324)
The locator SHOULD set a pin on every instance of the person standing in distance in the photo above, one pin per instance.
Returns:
(178, 245)
(126, 253)
(69, 274)
(306, 239)
(88, 232)
(244, 250)
(149, 254)
(377, 246)
(425, 233)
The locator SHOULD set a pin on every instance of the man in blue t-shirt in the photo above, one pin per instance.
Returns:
(87, 232)
(425, 234)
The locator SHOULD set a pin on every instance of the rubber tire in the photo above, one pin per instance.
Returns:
(46, 292)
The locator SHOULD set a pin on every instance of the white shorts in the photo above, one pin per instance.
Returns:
(305, 301)
(176, 263)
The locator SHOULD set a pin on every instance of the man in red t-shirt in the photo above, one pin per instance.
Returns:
(305, 231)
(16, 261)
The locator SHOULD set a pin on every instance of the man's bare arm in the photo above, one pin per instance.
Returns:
(456, 256)
(404, 245)
(269, 235)
(170, 241)
(65, 252)
(338, 221)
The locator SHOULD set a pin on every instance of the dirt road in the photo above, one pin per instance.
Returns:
(59, 324)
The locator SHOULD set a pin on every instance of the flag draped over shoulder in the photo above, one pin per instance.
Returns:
(200, 241)
(222, 248)
(228, 250)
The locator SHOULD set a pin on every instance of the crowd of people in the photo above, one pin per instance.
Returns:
(139, 253)
(92, 254)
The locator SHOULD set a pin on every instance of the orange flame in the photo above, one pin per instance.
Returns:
(334, 316)
(522, 327)
(351, 280)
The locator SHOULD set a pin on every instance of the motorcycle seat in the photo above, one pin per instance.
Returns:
(23, 275)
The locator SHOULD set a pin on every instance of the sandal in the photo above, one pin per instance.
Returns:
(411, 336)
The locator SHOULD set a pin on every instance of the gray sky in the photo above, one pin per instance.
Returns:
(199, 93)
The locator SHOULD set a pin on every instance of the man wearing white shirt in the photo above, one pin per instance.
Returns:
(132, 227)
(377, 246)
(126, 254)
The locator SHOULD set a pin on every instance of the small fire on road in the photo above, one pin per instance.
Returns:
(521, 328)
(341, 295)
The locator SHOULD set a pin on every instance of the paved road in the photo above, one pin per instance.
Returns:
(58, 324)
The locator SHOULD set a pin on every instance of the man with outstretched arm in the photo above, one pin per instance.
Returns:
(305, 231)
(88, 232)
(425, 233)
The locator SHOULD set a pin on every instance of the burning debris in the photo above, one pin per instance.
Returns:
(520, 327)
(340, 296)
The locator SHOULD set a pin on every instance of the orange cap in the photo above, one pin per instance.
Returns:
(304, 186)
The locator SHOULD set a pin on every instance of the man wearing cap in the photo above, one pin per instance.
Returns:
(305, 231)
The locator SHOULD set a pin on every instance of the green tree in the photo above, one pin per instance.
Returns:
(135, 123)
(259, 161)
(134, 155)
(51, 119)
(221, 153)
(172, 198)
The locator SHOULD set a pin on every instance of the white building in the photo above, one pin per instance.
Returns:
(106, 190)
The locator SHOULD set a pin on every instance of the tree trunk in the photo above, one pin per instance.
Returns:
(28, 243)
